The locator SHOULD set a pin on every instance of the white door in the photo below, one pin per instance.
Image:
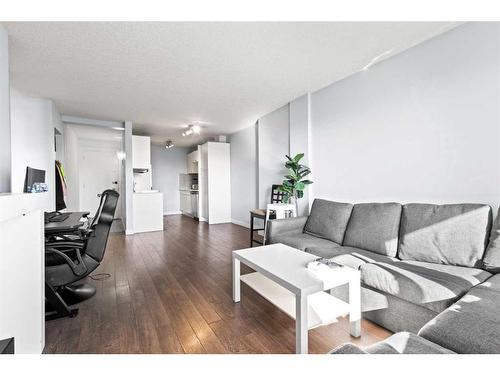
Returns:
(98, 170)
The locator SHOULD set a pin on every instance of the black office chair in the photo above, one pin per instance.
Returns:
(67, 262)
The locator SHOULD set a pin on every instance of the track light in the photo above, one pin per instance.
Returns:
(169, 144)
(192, 129)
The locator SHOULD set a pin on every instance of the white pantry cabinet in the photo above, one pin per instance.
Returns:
(215, 182)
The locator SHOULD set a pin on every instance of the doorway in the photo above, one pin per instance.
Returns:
(99, 169)
(94, 163)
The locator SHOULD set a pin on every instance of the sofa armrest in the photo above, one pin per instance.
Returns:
(284, 226)
(348, 348)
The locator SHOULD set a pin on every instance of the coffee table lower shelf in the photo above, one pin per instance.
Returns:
(323, 308)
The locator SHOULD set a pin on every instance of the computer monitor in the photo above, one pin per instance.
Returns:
(33, 176)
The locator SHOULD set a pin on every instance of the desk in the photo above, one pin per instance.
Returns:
(72, 223)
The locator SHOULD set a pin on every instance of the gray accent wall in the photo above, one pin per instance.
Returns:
(422, 126)
(299, 142)
(166, 165)
(5, 167)
(273, 144)
(243, 174)
(258, 157)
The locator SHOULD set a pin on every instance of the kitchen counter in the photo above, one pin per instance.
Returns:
(148, 211)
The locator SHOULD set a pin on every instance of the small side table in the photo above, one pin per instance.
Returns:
(280, 209)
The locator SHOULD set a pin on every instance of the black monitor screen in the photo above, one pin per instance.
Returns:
(33, 176)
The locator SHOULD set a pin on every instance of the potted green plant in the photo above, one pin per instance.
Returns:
(294, 184)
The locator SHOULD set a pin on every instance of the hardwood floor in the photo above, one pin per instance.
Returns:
(170, 292)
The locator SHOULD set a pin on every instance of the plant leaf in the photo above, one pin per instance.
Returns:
(298, 157)
(299, 186)
(307, 182)
(304, 172)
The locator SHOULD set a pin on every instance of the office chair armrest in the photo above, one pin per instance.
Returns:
(70, 245)
(79, 269)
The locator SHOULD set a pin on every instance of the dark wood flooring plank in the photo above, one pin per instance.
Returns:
(170, 292)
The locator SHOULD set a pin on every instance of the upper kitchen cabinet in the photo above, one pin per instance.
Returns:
(192, 162)
(141, 152)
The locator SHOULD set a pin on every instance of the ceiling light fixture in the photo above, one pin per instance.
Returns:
(192, 129)
(196, 129)
(169, 144)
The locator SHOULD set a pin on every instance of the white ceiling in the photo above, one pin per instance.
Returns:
(95, 133)
(163, 76)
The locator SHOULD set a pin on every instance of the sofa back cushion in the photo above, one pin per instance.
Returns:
(328, 220)
(491, 260)
(374, 227)
(448, 234)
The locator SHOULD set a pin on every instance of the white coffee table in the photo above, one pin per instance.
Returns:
(283, 279)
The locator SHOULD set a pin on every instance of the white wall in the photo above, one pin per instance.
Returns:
(4, 113)
(22, 271)
(128, 178)
(243, 174)
(423, 126)
(71, 168)
(166, 165)
(32, 141)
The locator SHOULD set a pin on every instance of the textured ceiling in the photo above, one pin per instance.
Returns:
(163, 76)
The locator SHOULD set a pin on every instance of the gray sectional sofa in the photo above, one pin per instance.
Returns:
(427, 271)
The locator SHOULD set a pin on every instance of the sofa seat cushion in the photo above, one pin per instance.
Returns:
(471, 325)
(434, 286)
(328, 220)
(406, 343)
(374, 227)
(454, 234)
(302, 241)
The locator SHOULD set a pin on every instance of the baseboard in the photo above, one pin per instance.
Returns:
(240, 223)
(129, 232)
(167, 213)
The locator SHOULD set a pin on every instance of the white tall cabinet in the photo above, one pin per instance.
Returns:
(215, 182)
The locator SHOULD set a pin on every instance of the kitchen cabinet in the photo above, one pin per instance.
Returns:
(192, 162)
(148, 211)
(185, 203)
(141, 152)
